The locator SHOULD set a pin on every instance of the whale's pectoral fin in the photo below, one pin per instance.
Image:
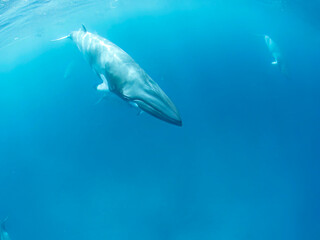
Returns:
(100, 99)
(68, 70)
(104, 87)
(275, 62)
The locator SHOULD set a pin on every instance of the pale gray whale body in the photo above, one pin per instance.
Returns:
(121, 75)
(3, 232)
(276, 54)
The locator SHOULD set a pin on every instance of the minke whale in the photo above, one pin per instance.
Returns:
(3, 232)
(121, 75)
(276, 54)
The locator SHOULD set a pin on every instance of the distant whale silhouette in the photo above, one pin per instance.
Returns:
(121, 75)
(276, 54)
(3, 232)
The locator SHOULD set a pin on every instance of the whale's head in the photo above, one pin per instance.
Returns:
(149, 97)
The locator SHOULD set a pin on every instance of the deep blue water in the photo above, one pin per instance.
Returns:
(244, 165)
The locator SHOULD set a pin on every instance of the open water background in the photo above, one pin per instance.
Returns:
(245, 164)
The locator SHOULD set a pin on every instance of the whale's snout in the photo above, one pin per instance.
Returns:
(152, 99)
(161, 110)
(177, 120)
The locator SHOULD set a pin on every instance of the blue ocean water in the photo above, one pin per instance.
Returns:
(245, 163)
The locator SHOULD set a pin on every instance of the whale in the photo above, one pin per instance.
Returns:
(119, 74)
(276, 54)
(3, 232)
